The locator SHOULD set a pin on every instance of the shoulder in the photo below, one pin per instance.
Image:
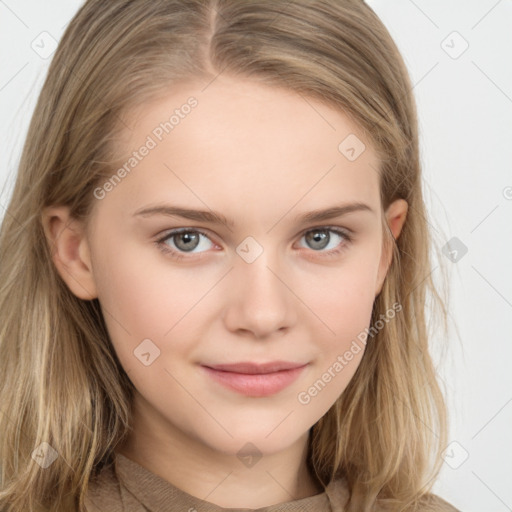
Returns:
(104, 492)
(339, 495)
(426, 503)
(433, 503)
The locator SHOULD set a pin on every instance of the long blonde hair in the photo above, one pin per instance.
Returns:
(61, 382)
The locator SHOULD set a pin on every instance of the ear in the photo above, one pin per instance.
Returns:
(395, 219)
(70, 251)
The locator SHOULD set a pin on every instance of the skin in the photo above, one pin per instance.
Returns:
(260, 156)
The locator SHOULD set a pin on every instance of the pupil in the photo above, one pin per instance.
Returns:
(319, 237)
(186, 240)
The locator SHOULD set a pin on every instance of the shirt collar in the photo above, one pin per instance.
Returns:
(159, 495)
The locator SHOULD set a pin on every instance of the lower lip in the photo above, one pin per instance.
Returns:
(263, 384)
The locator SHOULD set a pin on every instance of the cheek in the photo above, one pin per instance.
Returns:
(343, 298)
(144, 297)
(142, 292)
(343, 303)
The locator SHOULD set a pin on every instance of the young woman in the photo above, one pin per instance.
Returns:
(280, 361)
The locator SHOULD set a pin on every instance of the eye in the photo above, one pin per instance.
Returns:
(320, 238)
(178, 242)
(183, 240)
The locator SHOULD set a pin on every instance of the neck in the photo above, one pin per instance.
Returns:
(219, 478)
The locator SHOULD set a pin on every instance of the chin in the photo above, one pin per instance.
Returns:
(253, 441)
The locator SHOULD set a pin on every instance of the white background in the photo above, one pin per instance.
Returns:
(465, 114)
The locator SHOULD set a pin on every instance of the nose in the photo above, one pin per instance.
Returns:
(261, 301)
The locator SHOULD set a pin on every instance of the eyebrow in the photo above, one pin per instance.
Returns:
(217, 218)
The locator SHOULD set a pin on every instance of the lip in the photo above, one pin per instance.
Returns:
(253, 379)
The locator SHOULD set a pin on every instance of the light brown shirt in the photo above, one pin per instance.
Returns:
(126, 486)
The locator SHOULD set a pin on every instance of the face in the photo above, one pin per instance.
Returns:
(265, 284)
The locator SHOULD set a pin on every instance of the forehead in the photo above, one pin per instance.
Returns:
(248, 143)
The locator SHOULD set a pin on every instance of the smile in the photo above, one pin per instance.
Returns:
(254, 380)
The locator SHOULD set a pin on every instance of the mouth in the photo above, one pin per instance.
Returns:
(257, 380)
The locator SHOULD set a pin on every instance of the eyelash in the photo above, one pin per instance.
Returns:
(160, 243)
